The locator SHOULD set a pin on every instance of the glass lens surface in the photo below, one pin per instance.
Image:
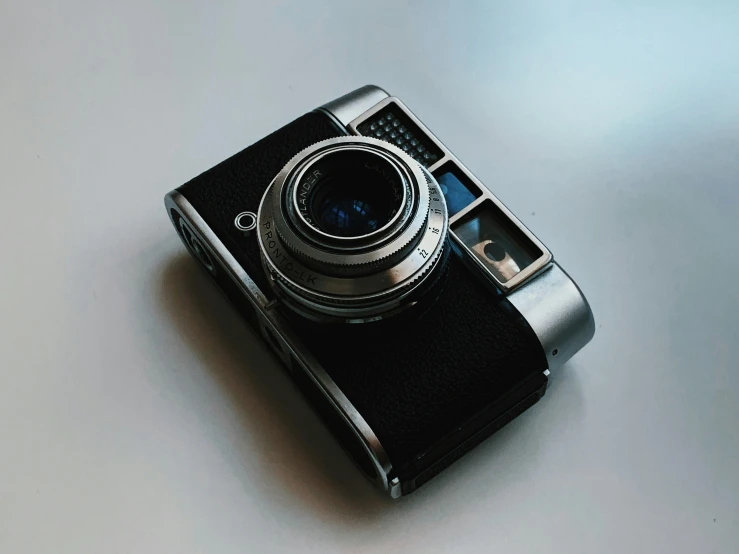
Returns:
(355, 195)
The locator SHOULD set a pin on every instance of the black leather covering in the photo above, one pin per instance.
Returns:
(415, 385)
(238, 183)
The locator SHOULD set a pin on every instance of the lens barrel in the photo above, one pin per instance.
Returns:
(350, 228)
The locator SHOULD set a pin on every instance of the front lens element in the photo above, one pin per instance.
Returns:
(342, 214)
(350, 193)
(358, 193)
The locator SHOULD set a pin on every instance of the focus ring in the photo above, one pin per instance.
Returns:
(302, 245)
(359, 267)
(377, 299)
(366, 277)
(337, 301)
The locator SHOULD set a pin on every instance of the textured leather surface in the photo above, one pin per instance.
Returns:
(238, 183)
(414, 384)
(417, 383)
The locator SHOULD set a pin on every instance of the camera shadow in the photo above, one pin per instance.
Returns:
(303, 458)
(305, 463)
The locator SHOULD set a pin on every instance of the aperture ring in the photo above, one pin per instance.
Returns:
(301, 241)
(348, 270)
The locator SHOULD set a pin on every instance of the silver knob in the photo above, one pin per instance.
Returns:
(246, 222)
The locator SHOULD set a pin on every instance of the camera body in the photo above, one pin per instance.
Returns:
(408, 395)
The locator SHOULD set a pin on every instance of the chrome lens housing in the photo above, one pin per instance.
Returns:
(350, 228)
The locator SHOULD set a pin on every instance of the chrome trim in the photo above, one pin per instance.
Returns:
(196, 248)
(394, 488)
(350, 106)
(268, 316)
(558, 312)
(175, 201)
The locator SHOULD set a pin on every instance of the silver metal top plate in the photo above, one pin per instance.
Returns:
(544, 294)
(485, 194)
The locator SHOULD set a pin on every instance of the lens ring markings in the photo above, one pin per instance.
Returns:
(314, 246)
(350, 288)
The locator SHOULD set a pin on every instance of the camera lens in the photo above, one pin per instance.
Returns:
(357, 194)
(348, 193)
(350, 229)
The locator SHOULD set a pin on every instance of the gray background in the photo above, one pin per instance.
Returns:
(139, 414)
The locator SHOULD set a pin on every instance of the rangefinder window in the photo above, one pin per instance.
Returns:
(458, 190)
(496, 242)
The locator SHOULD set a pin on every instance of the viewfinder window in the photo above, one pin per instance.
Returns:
(496, 241)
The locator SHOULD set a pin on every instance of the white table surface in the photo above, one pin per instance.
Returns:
(139, 414)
